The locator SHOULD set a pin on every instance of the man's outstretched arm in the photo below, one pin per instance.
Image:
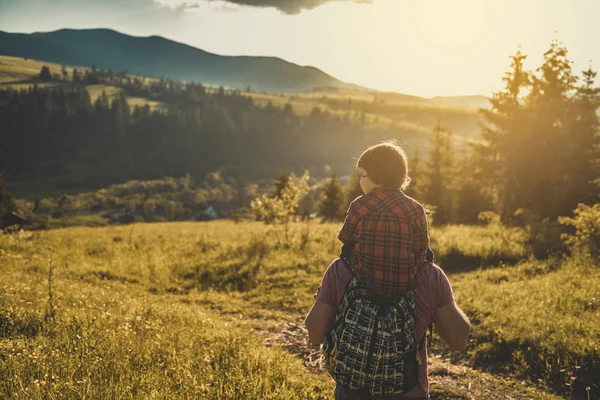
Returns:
(319, 321)
(452, 325)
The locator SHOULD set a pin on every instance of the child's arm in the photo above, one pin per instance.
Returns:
(346, 234)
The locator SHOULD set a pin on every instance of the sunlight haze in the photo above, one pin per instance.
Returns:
(425, 48)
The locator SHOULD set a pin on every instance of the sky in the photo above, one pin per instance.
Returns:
(420, 47)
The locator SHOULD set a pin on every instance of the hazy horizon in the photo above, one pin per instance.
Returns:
(457, 49)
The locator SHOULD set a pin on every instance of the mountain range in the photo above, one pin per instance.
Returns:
(160, 57)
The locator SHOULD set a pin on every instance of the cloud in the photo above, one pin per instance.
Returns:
(136, 17)
(285, 6)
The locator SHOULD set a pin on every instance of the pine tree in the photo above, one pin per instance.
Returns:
(7, 204)
(76, 76)
(64, 73)
(413, 190)
(543, 174)
(121, 115)
(45, 74)
(582, 151)
(438, 176)
(502, 154)
(541, 144)
(353, 189)
(332, 203)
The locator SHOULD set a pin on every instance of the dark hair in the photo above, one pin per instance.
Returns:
(386, 164)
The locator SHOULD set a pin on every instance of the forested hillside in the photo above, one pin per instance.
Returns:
(80, 128)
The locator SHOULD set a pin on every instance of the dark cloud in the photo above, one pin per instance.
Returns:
(290, 6)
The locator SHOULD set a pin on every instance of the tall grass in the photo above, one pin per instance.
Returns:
(169, 310)
(537, 319)
(121, 333)
(461, 247)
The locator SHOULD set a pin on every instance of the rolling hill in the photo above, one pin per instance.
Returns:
(157, 56)
(160, 57)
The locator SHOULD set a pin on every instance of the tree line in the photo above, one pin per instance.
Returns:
(539, 152)
(52, 131)
(538, 156)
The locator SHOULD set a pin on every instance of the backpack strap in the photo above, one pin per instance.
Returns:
(422, 343)
(347, 263)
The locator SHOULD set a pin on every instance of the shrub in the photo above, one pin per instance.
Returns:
(586, 240)
(544, 234)
(149, 207)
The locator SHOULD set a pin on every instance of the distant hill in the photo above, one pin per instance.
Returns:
(474, 102)
(158, 57)
(467, 102)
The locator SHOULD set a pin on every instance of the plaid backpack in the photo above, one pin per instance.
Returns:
(373, 346)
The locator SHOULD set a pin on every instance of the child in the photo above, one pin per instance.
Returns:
(385, 232)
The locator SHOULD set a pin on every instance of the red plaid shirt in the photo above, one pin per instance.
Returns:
(389, 232)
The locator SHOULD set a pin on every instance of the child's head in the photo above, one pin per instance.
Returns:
(385, 165)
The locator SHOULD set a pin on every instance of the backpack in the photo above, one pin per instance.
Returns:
(373, 347)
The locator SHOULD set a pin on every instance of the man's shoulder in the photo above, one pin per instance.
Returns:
(432, 271)
(434, 285)
(432, 278)
(338, 270)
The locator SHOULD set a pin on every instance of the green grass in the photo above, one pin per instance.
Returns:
(461, 247)
(170, 310)
(91, 220)
(121, 328)
(538, 319)
(95, 91)
(111, 340)
(20, 74)
(14, 69)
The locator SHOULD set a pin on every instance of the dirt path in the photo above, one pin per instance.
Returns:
(448, 380)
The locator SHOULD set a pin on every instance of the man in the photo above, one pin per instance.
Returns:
(434, 303)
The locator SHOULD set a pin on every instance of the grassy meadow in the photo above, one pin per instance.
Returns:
(20, 74)
(181, 310)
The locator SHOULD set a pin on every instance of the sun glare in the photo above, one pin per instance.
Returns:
(449, 22)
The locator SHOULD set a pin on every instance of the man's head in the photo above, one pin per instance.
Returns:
(386, 165)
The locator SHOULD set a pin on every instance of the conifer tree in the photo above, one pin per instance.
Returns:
(45, 74)
(7, 204)
(541, 145)
(470, 198)
(64, 73)
(438, 175)
(500, 157)
(76, 76)
(413, 190)
(332, 203)
(353, 189)
(583, 149)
